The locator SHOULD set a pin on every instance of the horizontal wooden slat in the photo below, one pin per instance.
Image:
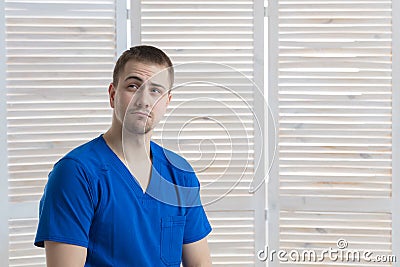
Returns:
(208, 2)
(336, 6)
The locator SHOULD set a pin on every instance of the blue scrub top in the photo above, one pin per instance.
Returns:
(92, 200)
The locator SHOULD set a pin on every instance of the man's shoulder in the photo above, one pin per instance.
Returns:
(86, 153)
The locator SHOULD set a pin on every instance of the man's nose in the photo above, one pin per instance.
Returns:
(142, 98)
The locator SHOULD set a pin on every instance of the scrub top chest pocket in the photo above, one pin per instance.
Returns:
(172, 231)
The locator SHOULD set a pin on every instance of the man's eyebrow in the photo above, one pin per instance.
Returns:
(141, 80)
(158, 85)
(134, 77)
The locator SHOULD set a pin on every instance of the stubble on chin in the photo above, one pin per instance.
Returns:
(138, 128)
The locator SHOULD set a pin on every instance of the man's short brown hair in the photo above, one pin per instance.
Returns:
(143, 54)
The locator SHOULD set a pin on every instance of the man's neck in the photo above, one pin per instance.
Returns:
(128, 145)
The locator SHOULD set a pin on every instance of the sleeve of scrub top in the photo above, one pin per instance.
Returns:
(66, 208)
(197, 225)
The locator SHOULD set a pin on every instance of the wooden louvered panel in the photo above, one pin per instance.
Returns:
(212, 120)
(350, 112)
(48, 82)
(60, 56)
(333, 89)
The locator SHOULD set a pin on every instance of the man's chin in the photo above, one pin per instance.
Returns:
(136, 130)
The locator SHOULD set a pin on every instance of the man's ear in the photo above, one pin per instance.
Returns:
(111, 94)
(169, 97)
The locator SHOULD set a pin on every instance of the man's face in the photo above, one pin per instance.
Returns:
(141, 96)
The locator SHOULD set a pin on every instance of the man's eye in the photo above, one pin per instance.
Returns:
(133, 86)
(156, 90)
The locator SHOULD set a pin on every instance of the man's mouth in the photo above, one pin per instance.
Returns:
(141, 113)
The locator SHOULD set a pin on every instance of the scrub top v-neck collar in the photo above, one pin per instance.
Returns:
(126, 173)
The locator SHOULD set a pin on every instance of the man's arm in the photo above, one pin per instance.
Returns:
(196, 254)
(64, 255)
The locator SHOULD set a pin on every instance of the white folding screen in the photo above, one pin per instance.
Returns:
(216, 119)
(334, 93)
(60, 56)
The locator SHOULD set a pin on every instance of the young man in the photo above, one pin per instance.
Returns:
(96, 209)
